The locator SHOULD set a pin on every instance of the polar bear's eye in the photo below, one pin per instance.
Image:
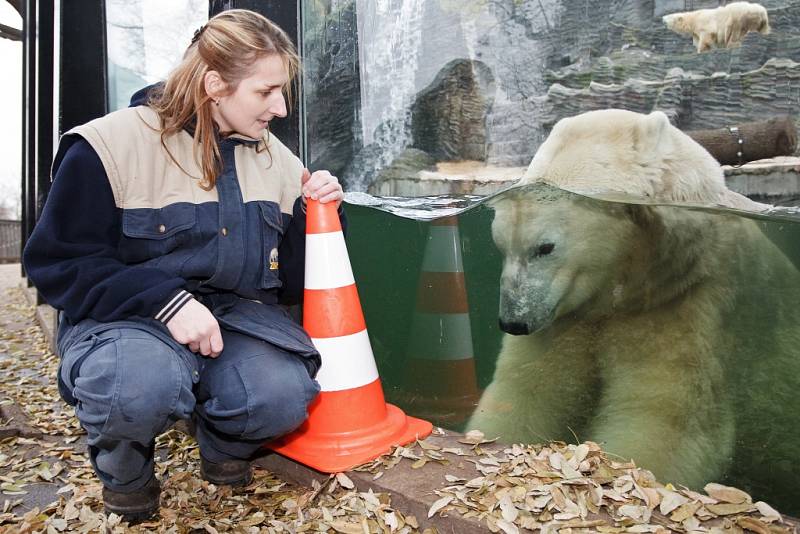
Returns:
(544, 249)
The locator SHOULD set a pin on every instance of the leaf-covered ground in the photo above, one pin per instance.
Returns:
(47, 484)
(52, 457)
(565, 488)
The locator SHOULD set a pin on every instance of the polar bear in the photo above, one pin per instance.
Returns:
(722, 27)
(670, 334)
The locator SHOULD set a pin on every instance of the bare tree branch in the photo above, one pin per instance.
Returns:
(7, 32)
(139, 27)
(15, 5)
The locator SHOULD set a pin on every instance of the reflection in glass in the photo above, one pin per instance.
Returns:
(147, 38)
(668, 334)
(440, 369)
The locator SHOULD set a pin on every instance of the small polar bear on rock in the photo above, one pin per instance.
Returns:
(722, 27)
(668, 334)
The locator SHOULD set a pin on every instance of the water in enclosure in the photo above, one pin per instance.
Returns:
(670, 334)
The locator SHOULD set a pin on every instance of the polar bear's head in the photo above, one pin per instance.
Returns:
(561, 253)
(568, 254)
(619, 151)
(678, 22)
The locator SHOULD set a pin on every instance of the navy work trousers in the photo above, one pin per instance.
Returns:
(130, 381)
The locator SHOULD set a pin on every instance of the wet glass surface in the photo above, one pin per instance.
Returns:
(667, 333)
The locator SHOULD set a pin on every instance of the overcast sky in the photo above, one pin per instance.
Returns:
(10, 109)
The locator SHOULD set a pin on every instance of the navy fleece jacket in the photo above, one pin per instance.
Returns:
(72, 255)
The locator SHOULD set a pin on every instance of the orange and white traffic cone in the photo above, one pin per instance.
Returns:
(440, 380)
(349, 423)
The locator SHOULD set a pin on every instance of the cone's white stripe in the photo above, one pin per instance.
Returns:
(347, 362)
(441, 336)
(443, 250)
(327, 263)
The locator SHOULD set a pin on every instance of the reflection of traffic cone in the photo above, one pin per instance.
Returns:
(441, 369)
(349, 422)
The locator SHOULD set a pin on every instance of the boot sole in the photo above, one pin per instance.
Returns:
(133, 517)
(236, 482)
(236, 479)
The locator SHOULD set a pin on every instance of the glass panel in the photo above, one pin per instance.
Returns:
(668, 334)
(147, 38)
(10, 104)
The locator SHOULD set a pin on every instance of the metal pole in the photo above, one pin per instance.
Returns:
(23, 236)
(44, 106)
(29, 107)
(82, 63)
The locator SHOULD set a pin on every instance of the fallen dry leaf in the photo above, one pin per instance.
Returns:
(439, 504)
(729, 509)
(685, 511)
(727, 494)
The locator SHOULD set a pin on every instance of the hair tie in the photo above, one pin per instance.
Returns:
(197, 33)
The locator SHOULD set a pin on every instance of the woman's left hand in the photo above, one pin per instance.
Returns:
(322, 186)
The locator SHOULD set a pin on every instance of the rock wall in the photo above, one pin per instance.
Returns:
(611, 53)
(543, 60)
(448, 118)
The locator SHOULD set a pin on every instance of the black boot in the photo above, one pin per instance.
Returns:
(135, 506)
(227, 472)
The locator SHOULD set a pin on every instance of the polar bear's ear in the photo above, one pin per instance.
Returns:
(651, 133)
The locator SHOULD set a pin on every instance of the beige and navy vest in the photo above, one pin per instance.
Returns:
(224, 239)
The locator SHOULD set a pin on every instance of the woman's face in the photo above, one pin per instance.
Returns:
(256, 100)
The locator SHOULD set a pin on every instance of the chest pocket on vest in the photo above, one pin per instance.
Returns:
(152, 233)
(272, 233)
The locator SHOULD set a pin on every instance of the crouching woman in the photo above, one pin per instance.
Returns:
(173, 232)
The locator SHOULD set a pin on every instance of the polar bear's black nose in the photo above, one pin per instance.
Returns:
(516, 329)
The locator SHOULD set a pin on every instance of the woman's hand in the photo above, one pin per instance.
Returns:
(322, 186)
(196, 327)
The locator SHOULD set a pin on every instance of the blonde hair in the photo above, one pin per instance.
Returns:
(229, 43)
